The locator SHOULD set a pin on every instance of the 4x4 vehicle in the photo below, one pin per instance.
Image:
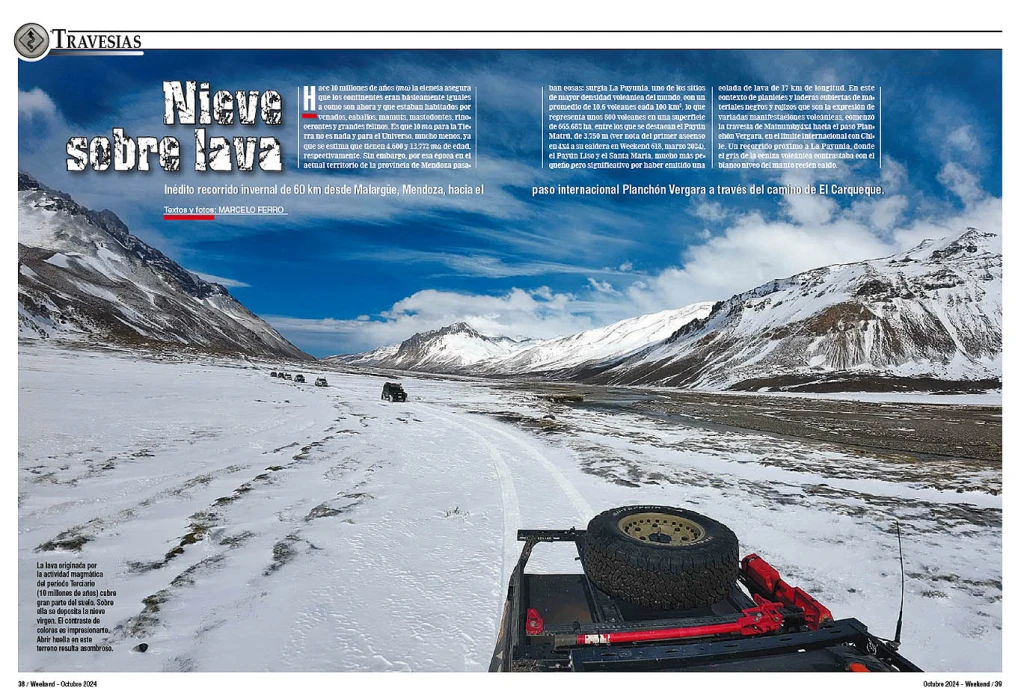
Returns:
(393, 391)
(320, 381)
(273, 374)
(663, 589)
(300, 379)
(285, 375)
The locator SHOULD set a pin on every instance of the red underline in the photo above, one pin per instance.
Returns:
(309, 115)
(188, 217)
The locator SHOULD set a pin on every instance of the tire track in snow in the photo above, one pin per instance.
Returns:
(511, 519)
(583, 508)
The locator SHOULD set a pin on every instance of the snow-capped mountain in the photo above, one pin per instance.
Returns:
(82, 275)
(453, 348)
(573, 354)
(932, 314)
(461, 349)
(930, 318)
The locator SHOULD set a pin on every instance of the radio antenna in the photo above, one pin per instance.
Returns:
(899, 620)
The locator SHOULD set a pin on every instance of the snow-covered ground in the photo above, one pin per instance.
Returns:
(249, 523)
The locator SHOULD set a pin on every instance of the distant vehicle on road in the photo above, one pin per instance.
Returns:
(393, 391)
(320, 381)
(285, 375)
(300, 379)
(273, 374)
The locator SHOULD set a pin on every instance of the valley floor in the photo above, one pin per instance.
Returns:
(249, 523)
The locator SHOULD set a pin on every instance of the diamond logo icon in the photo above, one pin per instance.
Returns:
(31, 41)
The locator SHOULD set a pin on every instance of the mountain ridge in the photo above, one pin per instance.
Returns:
(82, 275)
(928, 318)
(934, 311)
(448, 348)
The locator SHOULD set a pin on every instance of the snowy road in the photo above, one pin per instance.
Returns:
(319, 528)
(249, 523)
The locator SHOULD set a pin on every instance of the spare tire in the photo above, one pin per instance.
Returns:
(660, 557)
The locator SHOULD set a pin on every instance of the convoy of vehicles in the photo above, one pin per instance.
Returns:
(664, 588)
(392, 391)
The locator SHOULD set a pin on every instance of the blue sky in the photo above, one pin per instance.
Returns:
(352, 273)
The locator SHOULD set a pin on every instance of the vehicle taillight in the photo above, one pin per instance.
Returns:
(534, 622)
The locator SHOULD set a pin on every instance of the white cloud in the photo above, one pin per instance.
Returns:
(962, 143)
(474, 264)
(755, 251)
(961, 182)
(806, 209)
(886, 211)
(543, 292)
(709, 210)
(812, 232)
(36, 103)
(225, 281)
(537, 313)
(986, 215)
(752, 252)
(894, 174)
(947, 126)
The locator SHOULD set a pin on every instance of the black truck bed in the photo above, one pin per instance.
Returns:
(547, 617)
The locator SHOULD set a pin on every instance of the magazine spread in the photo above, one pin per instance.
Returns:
(444, 355)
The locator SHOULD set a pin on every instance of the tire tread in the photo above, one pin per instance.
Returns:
(657, 576)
